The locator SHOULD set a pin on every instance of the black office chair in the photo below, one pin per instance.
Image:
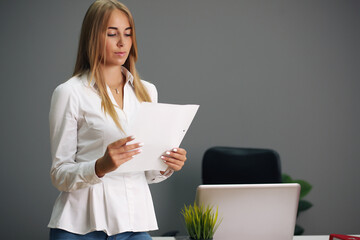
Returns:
(229, 165)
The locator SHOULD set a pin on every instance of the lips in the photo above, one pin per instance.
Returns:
(121, 54)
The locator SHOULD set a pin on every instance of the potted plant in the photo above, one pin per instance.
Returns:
(201, 221)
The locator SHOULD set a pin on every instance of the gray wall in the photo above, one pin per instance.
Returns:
(274, 74)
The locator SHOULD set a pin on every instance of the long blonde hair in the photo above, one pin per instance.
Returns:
(91, 52)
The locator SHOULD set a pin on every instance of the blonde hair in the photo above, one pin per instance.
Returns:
(90, 54)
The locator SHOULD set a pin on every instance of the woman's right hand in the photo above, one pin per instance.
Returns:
(116, 154)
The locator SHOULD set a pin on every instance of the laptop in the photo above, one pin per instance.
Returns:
(253, 211)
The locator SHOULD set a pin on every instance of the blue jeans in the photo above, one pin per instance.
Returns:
(59, 234)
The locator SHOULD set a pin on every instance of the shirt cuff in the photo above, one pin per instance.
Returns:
(168, 172)
(155, 176)
(90, 174)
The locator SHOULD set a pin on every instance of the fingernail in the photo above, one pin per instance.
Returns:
(175, 149)
(141, 144)
(162, 157)
(168, 153)
(132, 137)
(139, 150)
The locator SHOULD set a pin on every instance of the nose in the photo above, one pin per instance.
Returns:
(121, 43)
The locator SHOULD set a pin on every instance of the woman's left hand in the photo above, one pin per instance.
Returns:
(175, 158)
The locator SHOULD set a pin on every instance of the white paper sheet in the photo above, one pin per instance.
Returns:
(160, 127)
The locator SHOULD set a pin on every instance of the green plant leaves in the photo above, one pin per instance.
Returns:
(286, 178)
(201, 222)
(298, 230)
(304, 205)
(305, 186)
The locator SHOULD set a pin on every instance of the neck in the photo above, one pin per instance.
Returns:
(113, 76)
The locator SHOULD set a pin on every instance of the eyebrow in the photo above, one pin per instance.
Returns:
(115, 28)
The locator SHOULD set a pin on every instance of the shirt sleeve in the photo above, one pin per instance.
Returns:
(66, 174)
(155, 176)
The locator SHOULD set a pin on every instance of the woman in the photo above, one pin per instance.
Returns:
(89, 118)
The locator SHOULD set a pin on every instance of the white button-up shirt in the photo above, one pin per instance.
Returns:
(80, 133)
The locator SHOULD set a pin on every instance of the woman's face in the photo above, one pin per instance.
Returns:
(118, 39)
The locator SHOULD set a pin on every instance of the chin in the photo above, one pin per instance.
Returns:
(121, 62)
(116, 63)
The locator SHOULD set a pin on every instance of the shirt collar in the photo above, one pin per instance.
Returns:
(88, 77)
(128, 77)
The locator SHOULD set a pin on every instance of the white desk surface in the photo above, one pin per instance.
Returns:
(318, 237)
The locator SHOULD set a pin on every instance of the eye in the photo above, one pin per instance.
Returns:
(128, 35)
(111, 34)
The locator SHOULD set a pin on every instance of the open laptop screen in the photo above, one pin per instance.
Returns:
(253, 211)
